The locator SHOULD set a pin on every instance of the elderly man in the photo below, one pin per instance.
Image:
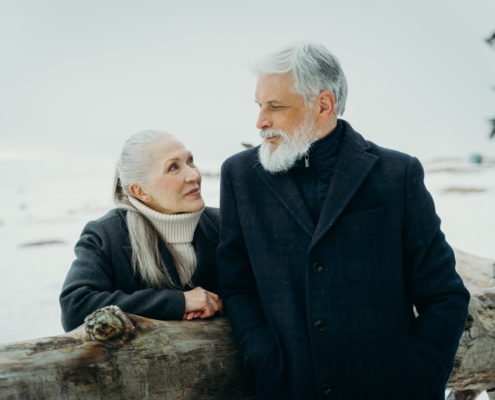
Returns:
(327, 242)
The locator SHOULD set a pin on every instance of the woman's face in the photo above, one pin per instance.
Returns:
(174, 181)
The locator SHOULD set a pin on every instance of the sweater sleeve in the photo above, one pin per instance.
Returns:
(89, 285)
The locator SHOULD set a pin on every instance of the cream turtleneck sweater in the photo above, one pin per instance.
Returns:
(178, 231)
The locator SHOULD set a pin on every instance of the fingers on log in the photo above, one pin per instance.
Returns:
(109, 326)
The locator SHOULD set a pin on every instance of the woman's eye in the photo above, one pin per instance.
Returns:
(173, 167)
(190, 161)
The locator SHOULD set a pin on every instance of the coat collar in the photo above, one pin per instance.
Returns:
(207, 228)
(353, 166)
(205, 244)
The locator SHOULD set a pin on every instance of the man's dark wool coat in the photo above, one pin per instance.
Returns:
(326, 311)
(102, 273)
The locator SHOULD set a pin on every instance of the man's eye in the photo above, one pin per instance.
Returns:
(276, 107)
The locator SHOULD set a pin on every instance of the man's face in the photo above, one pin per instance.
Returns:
(280, 108)
(287, 126)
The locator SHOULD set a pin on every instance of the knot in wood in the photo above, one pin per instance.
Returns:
(109, 325)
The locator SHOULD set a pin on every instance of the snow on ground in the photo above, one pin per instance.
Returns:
(464, 195)
(51, 201)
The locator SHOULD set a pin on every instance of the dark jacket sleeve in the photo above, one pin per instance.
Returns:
(437, 291)
(89, 285)
(263, 359)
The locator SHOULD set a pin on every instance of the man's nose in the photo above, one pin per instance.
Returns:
(263, 121)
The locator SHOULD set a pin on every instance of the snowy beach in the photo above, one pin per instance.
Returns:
(45, 205)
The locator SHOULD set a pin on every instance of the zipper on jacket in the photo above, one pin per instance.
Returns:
(314, 190)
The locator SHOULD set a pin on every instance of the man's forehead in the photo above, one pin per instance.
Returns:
(274, 88)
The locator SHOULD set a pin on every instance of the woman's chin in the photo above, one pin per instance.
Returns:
(195, 205)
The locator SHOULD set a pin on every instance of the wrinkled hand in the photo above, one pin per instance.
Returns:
(201, 303)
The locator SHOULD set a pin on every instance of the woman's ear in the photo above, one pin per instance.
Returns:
(140, 192)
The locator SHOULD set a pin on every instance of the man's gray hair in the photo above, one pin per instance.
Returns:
(313, 69)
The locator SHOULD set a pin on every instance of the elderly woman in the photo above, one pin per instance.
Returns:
(153, 255)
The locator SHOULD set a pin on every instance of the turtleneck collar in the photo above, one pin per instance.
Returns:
(322, 153)
(174, 228)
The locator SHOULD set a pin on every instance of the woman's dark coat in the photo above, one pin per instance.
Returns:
(102, 273)
(326, 311)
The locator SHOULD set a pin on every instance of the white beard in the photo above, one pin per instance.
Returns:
(289, 150)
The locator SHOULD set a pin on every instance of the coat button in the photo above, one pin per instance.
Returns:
(317, 267)
(326, 390)
(320, 325)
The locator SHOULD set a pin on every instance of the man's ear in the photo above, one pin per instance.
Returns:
(140, 192)
(325, 103)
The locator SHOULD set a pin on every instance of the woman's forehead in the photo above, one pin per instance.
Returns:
(168, 148)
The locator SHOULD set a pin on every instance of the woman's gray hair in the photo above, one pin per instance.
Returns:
(133, 167)
(313, 69)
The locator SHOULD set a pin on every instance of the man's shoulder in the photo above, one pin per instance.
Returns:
(383, 153)
(392, 164)
(242, 160)
(388, 155)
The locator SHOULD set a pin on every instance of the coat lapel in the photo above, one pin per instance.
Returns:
(353, 166)
(205, 244)
(286, 190)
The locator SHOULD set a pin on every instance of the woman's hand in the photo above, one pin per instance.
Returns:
(201, 303)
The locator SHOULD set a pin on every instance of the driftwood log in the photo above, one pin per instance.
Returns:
(115, 355)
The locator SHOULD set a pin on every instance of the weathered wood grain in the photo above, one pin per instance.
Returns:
(474, 366)
(162, 360)
(477, 272)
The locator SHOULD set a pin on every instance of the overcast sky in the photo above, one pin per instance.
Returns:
(79, 77)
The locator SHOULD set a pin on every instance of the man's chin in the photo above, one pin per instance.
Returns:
(273, 161)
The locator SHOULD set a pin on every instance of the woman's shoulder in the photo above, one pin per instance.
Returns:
(213, 214)
(112, 223)
(112, 216)
(209, 223)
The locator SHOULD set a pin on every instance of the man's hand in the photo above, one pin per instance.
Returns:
(201, 303)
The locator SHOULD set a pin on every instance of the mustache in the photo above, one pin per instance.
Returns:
(266, 133)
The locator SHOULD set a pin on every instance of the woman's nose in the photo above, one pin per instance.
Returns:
(193, 175)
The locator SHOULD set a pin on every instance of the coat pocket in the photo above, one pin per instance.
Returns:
(364, 217)
(415, 366)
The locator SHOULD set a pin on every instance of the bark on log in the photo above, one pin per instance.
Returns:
(470, 375)
(477, 272)
(159, 360)
(464, 395)
(474, 367)
(121, 356)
